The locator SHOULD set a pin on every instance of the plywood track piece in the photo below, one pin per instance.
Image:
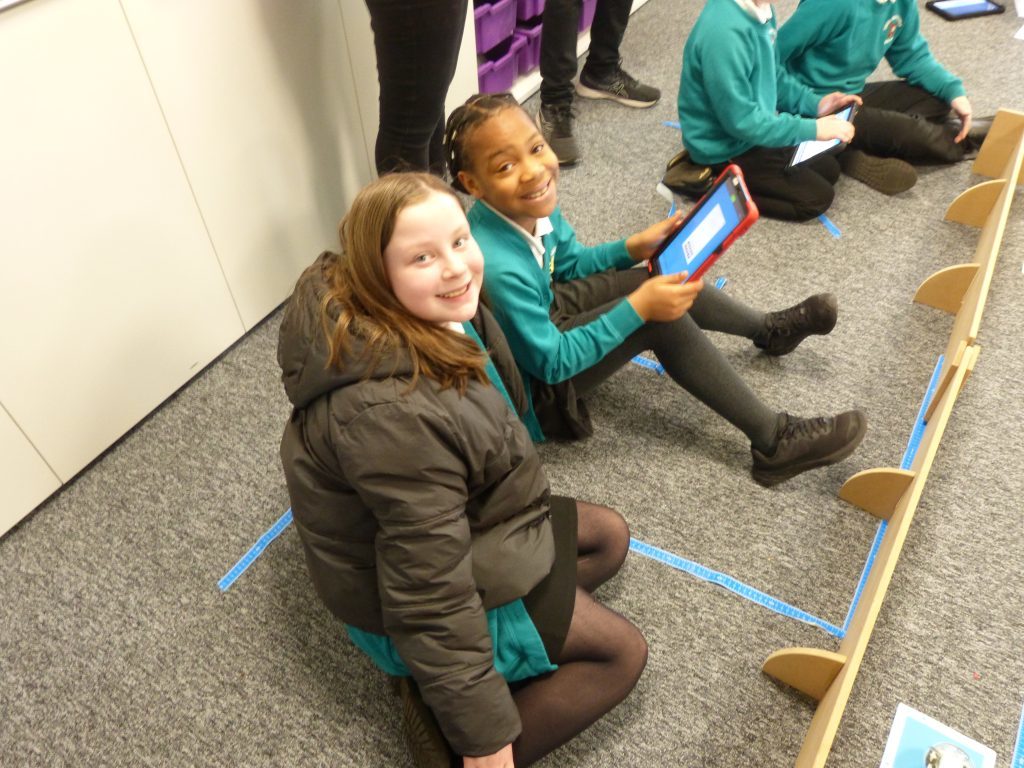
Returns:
(972, 206)
(877, 491)
(810, 670)
(1000, 143)
(945, 289)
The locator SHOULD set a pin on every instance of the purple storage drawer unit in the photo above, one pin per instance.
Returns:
(497, 72)
(529, 9)
(587, 14)
(529, 53)
(494, 23)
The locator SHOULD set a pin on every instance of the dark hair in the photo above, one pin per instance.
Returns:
(463, 120)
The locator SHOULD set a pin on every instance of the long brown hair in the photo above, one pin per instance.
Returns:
(360, 300)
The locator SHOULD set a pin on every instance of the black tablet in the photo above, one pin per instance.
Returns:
(955, 10)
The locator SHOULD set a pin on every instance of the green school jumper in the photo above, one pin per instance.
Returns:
(733, 93)
(835, 45)
(520, 291)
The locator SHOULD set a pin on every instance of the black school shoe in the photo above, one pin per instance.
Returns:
(423, 737)
(804, 444)
(888, 175)
(620, 86)
(785, 329)
(557, 123)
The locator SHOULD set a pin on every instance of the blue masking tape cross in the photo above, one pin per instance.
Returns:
(255, 551)
(722, 580)
(646, 362)
(832, 228)
(671, 124)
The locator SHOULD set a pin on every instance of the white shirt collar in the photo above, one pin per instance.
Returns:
(760, 12)
(544, 227)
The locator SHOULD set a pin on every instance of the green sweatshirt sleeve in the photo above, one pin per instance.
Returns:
(911, 58)
(795, 97)
(812, 25)
(542, 350)
(573, 260)
(736, 104)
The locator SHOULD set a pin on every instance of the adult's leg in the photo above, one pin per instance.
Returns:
(599, 664)
(602, 542)
(417, 45)
(901, 120)
(610, 20)
(796, 193)
(559, 31)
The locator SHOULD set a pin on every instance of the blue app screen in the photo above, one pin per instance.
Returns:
(702, 234)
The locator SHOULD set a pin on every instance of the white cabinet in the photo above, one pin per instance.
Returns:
(25, 480)
(261, 105)
(112, 296)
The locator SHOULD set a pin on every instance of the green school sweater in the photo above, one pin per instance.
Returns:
(835, 45)
(733, 93)
(520, 293)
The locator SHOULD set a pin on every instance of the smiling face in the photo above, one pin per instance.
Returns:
(512, 167)
(434, 265)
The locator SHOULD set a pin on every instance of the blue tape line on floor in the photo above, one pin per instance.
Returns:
(671, 124)
(832, 228)
(646, 362)
(908, 459)
(720, 282)
(1018, 749)
(255, 551)
(737, 587)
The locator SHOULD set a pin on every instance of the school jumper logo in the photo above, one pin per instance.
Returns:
(892, 26)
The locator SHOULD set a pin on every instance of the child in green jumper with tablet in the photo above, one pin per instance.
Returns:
(573, 315)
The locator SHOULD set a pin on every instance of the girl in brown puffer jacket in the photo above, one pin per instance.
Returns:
(426, 519)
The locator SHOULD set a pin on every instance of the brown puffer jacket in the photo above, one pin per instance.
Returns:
(417, 510)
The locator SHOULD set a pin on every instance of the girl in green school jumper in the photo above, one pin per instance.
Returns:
(573, 315)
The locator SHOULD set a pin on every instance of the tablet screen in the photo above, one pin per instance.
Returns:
(965, 7)
(805, 150)
(702, 234)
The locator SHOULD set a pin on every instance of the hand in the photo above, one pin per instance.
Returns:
(962, 107)
(500, 759)
(665, 298)
(642, 245)
(833, 127)
(835, 101)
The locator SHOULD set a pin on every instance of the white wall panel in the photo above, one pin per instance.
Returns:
(262, 109)
(25, 480)
(110, 294)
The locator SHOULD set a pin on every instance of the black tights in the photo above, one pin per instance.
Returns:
(603, 655)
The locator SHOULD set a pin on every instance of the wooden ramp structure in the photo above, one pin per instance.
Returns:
(893, 494)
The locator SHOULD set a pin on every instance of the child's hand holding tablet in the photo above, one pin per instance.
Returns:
(721, 216)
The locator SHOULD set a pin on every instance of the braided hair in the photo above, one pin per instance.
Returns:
(461, 123)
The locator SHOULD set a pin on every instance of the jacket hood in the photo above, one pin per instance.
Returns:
(302, 346)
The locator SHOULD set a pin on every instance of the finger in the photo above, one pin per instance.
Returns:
(964, 130)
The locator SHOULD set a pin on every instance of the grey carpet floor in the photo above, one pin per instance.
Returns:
(118, 649)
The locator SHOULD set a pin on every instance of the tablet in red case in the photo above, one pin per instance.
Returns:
(718, 218)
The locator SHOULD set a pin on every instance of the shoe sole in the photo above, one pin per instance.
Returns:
(591, 93)
(888, 175)
(768, 479)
